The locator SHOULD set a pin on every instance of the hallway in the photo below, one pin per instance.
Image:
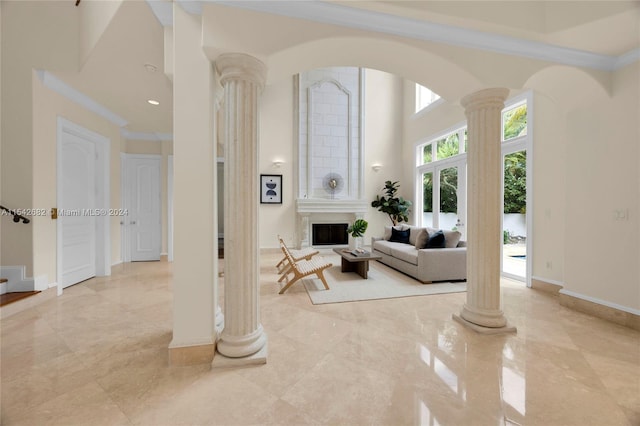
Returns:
(98, 355)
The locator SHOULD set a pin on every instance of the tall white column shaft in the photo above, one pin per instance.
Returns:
(242, 77)
(484, 207)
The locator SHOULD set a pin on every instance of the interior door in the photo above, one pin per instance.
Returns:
(144, 219)
(78, 199)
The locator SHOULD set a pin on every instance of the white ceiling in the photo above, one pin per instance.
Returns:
(114, 74)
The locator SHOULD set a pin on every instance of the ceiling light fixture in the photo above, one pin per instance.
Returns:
(153, 102)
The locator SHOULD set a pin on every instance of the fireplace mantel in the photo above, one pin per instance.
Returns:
(320, 210)
(320, 205)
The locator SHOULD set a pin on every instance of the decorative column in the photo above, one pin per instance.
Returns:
(482, 311)
(243, 337)
(219, 151)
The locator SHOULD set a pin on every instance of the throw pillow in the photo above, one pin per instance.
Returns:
(421, 239)
(451, 238)
(436, 240)
(387, 231)
(399, 236)
(413, 234)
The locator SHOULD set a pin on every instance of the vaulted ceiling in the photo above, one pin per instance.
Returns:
(115, 74)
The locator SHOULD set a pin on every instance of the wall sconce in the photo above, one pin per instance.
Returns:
(277, 163)
(376, 167)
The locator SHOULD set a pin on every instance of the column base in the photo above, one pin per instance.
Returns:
(242, 346)
(484, 330)
(221, 361)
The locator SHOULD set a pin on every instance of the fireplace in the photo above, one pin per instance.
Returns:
(329, 234)
(323, 212)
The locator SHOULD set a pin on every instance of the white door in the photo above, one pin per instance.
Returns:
(77, 201)
(144, 219)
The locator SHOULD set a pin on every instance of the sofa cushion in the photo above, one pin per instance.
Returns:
(451, 238)
(414, 231)
(436, 240)
(400, 236)
(421, 239)
(405, 252)
(387, 231)
(383, 246)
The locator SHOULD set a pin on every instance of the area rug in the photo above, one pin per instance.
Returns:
(383, 283)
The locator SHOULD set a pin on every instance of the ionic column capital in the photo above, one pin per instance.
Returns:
(240, 66)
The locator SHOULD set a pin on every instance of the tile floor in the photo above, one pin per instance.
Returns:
(97, 355)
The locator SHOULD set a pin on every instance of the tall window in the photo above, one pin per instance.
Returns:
(424, 97)
(441, 183)
(514, 122)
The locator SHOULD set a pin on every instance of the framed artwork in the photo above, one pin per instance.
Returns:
(271, 189)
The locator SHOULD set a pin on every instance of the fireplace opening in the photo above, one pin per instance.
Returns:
(328, 234)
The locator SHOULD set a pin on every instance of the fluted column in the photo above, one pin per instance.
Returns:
(242, 77)
(482, 310)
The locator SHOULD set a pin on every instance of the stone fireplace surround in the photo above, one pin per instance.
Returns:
(310, 211)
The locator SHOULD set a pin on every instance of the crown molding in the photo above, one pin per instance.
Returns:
(329, 13)
(59, 86)
(143, 136)
(54, 83)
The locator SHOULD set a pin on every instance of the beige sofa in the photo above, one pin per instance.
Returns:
(424, 264)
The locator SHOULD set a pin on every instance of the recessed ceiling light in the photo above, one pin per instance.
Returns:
(153, 102)
(150, 67)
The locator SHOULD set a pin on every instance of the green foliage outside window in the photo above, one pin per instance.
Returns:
(515, 122)
(515, 182)
(515, 167)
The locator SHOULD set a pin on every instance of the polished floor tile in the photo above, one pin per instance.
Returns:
(98, 355)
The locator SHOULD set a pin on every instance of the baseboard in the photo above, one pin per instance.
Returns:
(547, 285)
(602, 309)
(191, 355)
(16, 278)
(41, 283)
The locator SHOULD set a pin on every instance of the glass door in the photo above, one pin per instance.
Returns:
(444, 196)
(514, 217)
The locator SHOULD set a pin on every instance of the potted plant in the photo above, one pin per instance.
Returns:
(397, 208)
(357, 230)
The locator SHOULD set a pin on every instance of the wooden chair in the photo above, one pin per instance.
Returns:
(306, 253)
(303, 268)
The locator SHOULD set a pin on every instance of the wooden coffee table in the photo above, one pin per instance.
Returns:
(357, 264)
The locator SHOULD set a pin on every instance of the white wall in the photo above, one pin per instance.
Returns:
(277, 142)
(30, 24)
(384, 103)
(194, 269)
(602, 194)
